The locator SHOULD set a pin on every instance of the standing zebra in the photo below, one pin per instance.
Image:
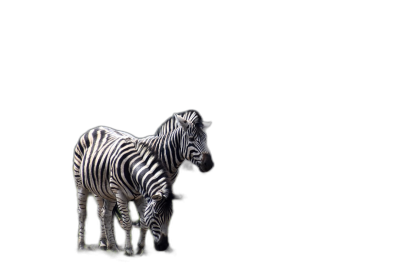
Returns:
(117, 169)
(194, 127)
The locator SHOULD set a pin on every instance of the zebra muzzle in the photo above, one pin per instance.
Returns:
(206, 163)
(162, 243)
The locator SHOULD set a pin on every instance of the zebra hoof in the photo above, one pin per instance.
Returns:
(140, 251)
(114, 249)
(103, 244)
(129, 252)
(81, 246)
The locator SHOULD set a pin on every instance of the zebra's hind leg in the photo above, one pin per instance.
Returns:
(140, 204)
(123, 207)
(82, 195)
(106, 216)
(103, 237)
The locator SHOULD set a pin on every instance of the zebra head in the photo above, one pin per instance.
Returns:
(194, 142)
(157, 216)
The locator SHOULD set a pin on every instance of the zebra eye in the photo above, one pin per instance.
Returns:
(191, 138)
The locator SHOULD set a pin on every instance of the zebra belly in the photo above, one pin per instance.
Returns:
(97, 179)
(95, 176)
(102, 189)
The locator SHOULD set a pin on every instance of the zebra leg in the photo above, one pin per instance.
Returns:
(82, 200)
(140, 204)
(103, 237)
(135, 225)
(106, 216)
(123, 207)
(142, 240)
(103, 243)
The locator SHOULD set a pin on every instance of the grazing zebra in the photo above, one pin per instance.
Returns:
(117, 169)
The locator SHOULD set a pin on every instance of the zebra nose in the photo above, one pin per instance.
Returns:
(206, 163)
(162, 244)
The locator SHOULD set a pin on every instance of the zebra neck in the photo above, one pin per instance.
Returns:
(168, 148)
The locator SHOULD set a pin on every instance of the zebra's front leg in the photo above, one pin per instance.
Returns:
(106, 216)
(123, 207)
(82, 195)
(142, 240)
(140, 204)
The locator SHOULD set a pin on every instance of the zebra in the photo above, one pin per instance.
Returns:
(117, 169)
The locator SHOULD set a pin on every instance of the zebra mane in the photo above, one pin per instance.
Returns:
(170, 123)
(140, 146)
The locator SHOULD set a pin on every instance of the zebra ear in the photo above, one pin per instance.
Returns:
(181, 122)
(206, 124)
(157, 197)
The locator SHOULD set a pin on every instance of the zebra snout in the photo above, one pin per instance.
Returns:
(162, 243)
(206, 163)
